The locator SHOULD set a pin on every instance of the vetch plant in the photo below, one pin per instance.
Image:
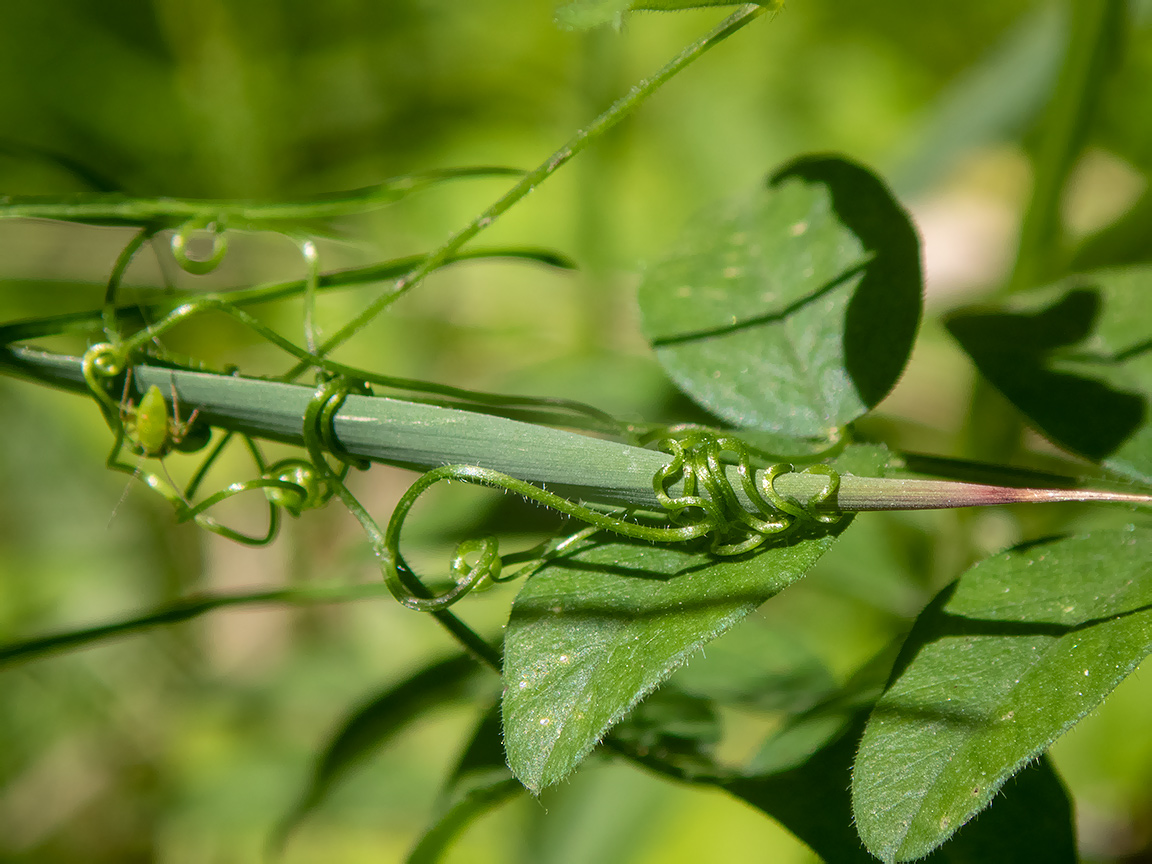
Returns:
(786, 315)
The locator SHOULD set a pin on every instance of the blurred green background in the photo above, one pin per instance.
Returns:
(186, 745)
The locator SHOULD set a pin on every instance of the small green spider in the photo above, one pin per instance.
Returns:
(153, 433)
(150, 427)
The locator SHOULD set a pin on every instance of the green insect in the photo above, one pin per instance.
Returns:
(151, 429)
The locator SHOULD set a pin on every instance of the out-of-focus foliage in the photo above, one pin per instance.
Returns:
(189, 744)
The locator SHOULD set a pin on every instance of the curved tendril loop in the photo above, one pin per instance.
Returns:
(185, 233)
(291, 484)
(738, 518)
(320, 440)
(708, 504)
(101, 363)
(295, 485)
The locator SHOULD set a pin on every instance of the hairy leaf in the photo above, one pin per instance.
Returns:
(791, 310)
(998, 666)
(601, 626)
(1076, 359)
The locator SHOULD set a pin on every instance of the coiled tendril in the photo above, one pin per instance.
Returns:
(291, 484)
(698, 461)
(707, 505)
(185, 234)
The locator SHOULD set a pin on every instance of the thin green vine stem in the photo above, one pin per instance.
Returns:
(108, 309)
(116, 209)
(1095, 30)
(620, 109)
(318, 442)
(183, 610)
(86, 322)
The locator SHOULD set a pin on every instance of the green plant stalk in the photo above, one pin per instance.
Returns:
(422, 437)
(1094, 36)
(133, 313)
(184, 610)
(116, 209)
(993, 431)
(615, 113)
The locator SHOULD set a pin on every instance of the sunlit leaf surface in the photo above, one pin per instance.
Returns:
(792, 309)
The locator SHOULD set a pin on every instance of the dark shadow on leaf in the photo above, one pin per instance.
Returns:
(937, 713)
(1014, 352)
(691, 550)
(965, 626)
(1031, 820)
(884, 311)
(656, 592)
(935, 623)
(529, 611)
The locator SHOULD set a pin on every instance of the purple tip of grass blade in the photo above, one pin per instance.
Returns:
(875, 493)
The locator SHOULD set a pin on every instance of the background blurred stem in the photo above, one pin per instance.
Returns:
(994, 430)
(620, 109)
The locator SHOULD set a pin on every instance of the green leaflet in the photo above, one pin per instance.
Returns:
(996, 668)
(793, 309)
(1075, 359)
(598, 628)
